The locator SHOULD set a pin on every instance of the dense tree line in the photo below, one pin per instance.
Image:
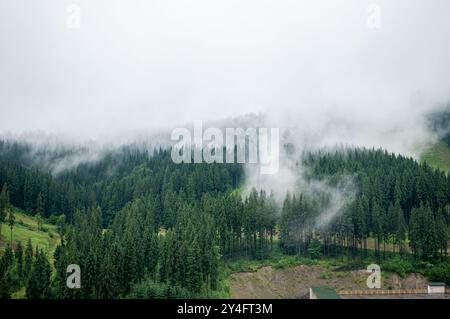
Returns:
(166, 223)
(139, 225)
(398, 200)
(118, 178)
(29, 268)
(184, 258)
(35, 190)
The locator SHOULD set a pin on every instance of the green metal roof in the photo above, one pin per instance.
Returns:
(325, 292)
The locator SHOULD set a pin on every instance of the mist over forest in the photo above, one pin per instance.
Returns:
(91, 91)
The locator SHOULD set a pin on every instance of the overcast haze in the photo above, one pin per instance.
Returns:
(142, 65)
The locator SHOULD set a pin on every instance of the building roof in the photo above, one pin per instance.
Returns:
(436, 284)
(325, 292)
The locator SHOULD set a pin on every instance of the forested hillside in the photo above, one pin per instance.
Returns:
(438, 154)
(141, 226)
(397, 199)
(439, 122)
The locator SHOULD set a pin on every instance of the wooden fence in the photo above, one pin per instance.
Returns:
(386, 292)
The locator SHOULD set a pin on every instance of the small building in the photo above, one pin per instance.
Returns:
(436, 288)
(322, 292)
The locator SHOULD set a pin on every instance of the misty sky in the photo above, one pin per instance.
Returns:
(146, 64)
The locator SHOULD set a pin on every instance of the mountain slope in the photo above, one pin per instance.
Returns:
(438, 156)
(26, 227)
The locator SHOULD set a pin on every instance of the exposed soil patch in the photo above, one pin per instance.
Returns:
(294, 282)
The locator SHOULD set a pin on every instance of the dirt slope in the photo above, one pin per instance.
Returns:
(294, 282)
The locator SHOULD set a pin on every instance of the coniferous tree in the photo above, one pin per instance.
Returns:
(377, 224)
(38, 286)
(7, 258)
(441, 233)
(11, 222)
(6, 262)
(422, 234)
(4, 205)
(401, 228)
(39, 221)
(18, 254)
(61, 263)
(61, 226)
(40, 205)
(194, 273)
(28, 260)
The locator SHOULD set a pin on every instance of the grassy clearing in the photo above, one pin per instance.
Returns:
(26, 227)
(438, 156)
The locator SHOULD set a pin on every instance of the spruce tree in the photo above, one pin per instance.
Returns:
(194, 274)
(28, 264)
(38, 286)
(6, 283)
(61, 263)
(18, 254)
(11, 222)
(40, 205)
(441, 233)
(4, 205)
(61, 226)
(401, 228)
